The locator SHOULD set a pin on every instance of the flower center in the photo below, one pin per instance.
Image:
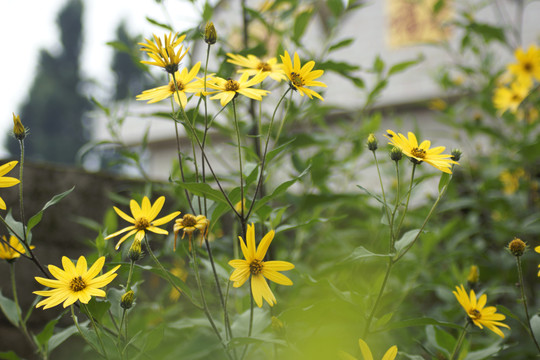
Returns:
(179, 84)
(296, 79)
(419, 153)
(264, 66)
(527, 66)
(189, 220)
(77, 284)
(475, 314)
(256, 267)
(141, 223)
(232, 85)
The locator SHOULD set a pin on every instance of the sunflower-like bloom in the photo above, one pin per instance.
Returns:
(226, 90)
(253, 65)
(527, 66)
(419, 153)
(6, 181)
(188, 224)
(367, 355)
(509, 98)
(143, 219)
(479, 314)
(13, 249)
(254, 266)
(302, 76)
(163, 53)
(185, 83)
(75, 282)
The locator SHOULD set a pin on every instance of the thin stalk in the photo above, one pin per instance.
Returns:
(237, 128)
(128, 287)
(379, 296)
(459, 341)
(251, 308)
(384, 200)
(94, 325)
(408, 198)
(524, 300)
(396, 205)
(22, 323)
(21, 207)
(74, 317)
(283, 119)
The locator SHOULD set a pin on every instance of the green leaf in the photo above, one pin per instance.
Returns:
(261, 339)
(169, 276)
(488, 32)
(44, 336)
(9, 355)
(274, 152)
(443, 181)
(336, 6)
(407, 238)
(102, 107)
(360, 253)
(342, 43)
(58, 338)
(486, 353)
(438, 6)
(9, 308)
(383, 320)
(97, 308)
(418, 322)
(154, 337)
(300, 25)
(201, 189)
(535, 325)
(157, 23)
(441, 339)
(378, 64)
(376, 90)
(371, 194)
(34, 220)
(402, 66)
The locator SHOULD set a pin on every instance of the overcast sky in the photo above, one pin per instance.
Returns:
(30, 25)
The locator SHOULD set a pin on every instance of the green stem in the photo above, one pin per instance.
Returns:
(384, 200)
(21, 166)
(251, 308)
(74, 317)
(379, 296)
(283, 119)
(237, 128)
(524, 300)
(408, 198)
(459, 341)
(396, 205)
(22, 322)
(94, 325)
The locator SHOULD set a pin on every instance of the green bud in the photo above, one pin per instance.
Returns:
(135, 251)
(127, 299)
(372, 142)
(456, 154)
(517, 247)
(210, 35)
(396, 154)
(18, 129)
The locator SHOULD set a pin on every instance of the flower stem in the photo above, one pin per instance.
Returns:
(237, 128)
(76, 322)
(408, 198)
(22, 322)
(524, 300)
(459, 341)
(250, 329)
(384, 200)
(21, 166)
(379, 296)
(94, 325)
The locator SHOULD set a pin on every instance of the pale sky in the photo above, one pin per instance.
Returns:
(30, 25)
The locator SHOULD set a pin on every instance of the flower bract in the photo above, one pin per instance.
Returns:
(12, 249)
(185, 83)
(253, 65)
(421, 153)
(143, 219)
(253, 266)
(6, 181)
(74, 282)
(226, 90)
(300, 77)
(479, 314)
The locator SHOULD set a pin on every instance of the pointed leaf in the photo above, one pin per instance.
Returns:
(34, 220)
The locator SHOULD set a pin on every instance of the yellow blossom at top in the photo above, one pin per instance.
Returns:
(188, 224)
(74, 282)
(479, 314)
(421, 153)
(143, 219)
(13, 249)
(253, 65)
(509, 98)
(527, 66)
(367, 355)
(164, 53)
(226, 90)
(6, 181)
(253, 266)
(185, 83)
(300, 77)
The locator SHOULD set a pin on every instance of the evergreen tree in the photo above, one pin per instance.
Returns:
(55, 108)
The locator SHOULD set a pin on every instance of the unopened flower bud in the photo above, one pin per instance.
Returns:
(127, 300)
(210, 35)
(372, 142)
(474, 276)
(456, 154)
(135, 251)
(396, 154)
(239, 205)
(517, 247)
(278, 327)
(18, 129)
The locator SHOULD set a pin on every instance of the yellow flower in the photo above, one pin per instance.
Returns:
(253, 65)
(537, 249)
(74, 282)
(437, 104)
(228, 89)
(301, 76)
(510, 180)
(509, 98)
(527, 66)
(143, 219)
(179, 270)
(184, 82)
(7, 181)
(164, 54)
(474, 275)
(13, 249)
(18, 128)
(366, 352)
(418, 153)
(479, 314)
(253, 266)
(188, 224)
